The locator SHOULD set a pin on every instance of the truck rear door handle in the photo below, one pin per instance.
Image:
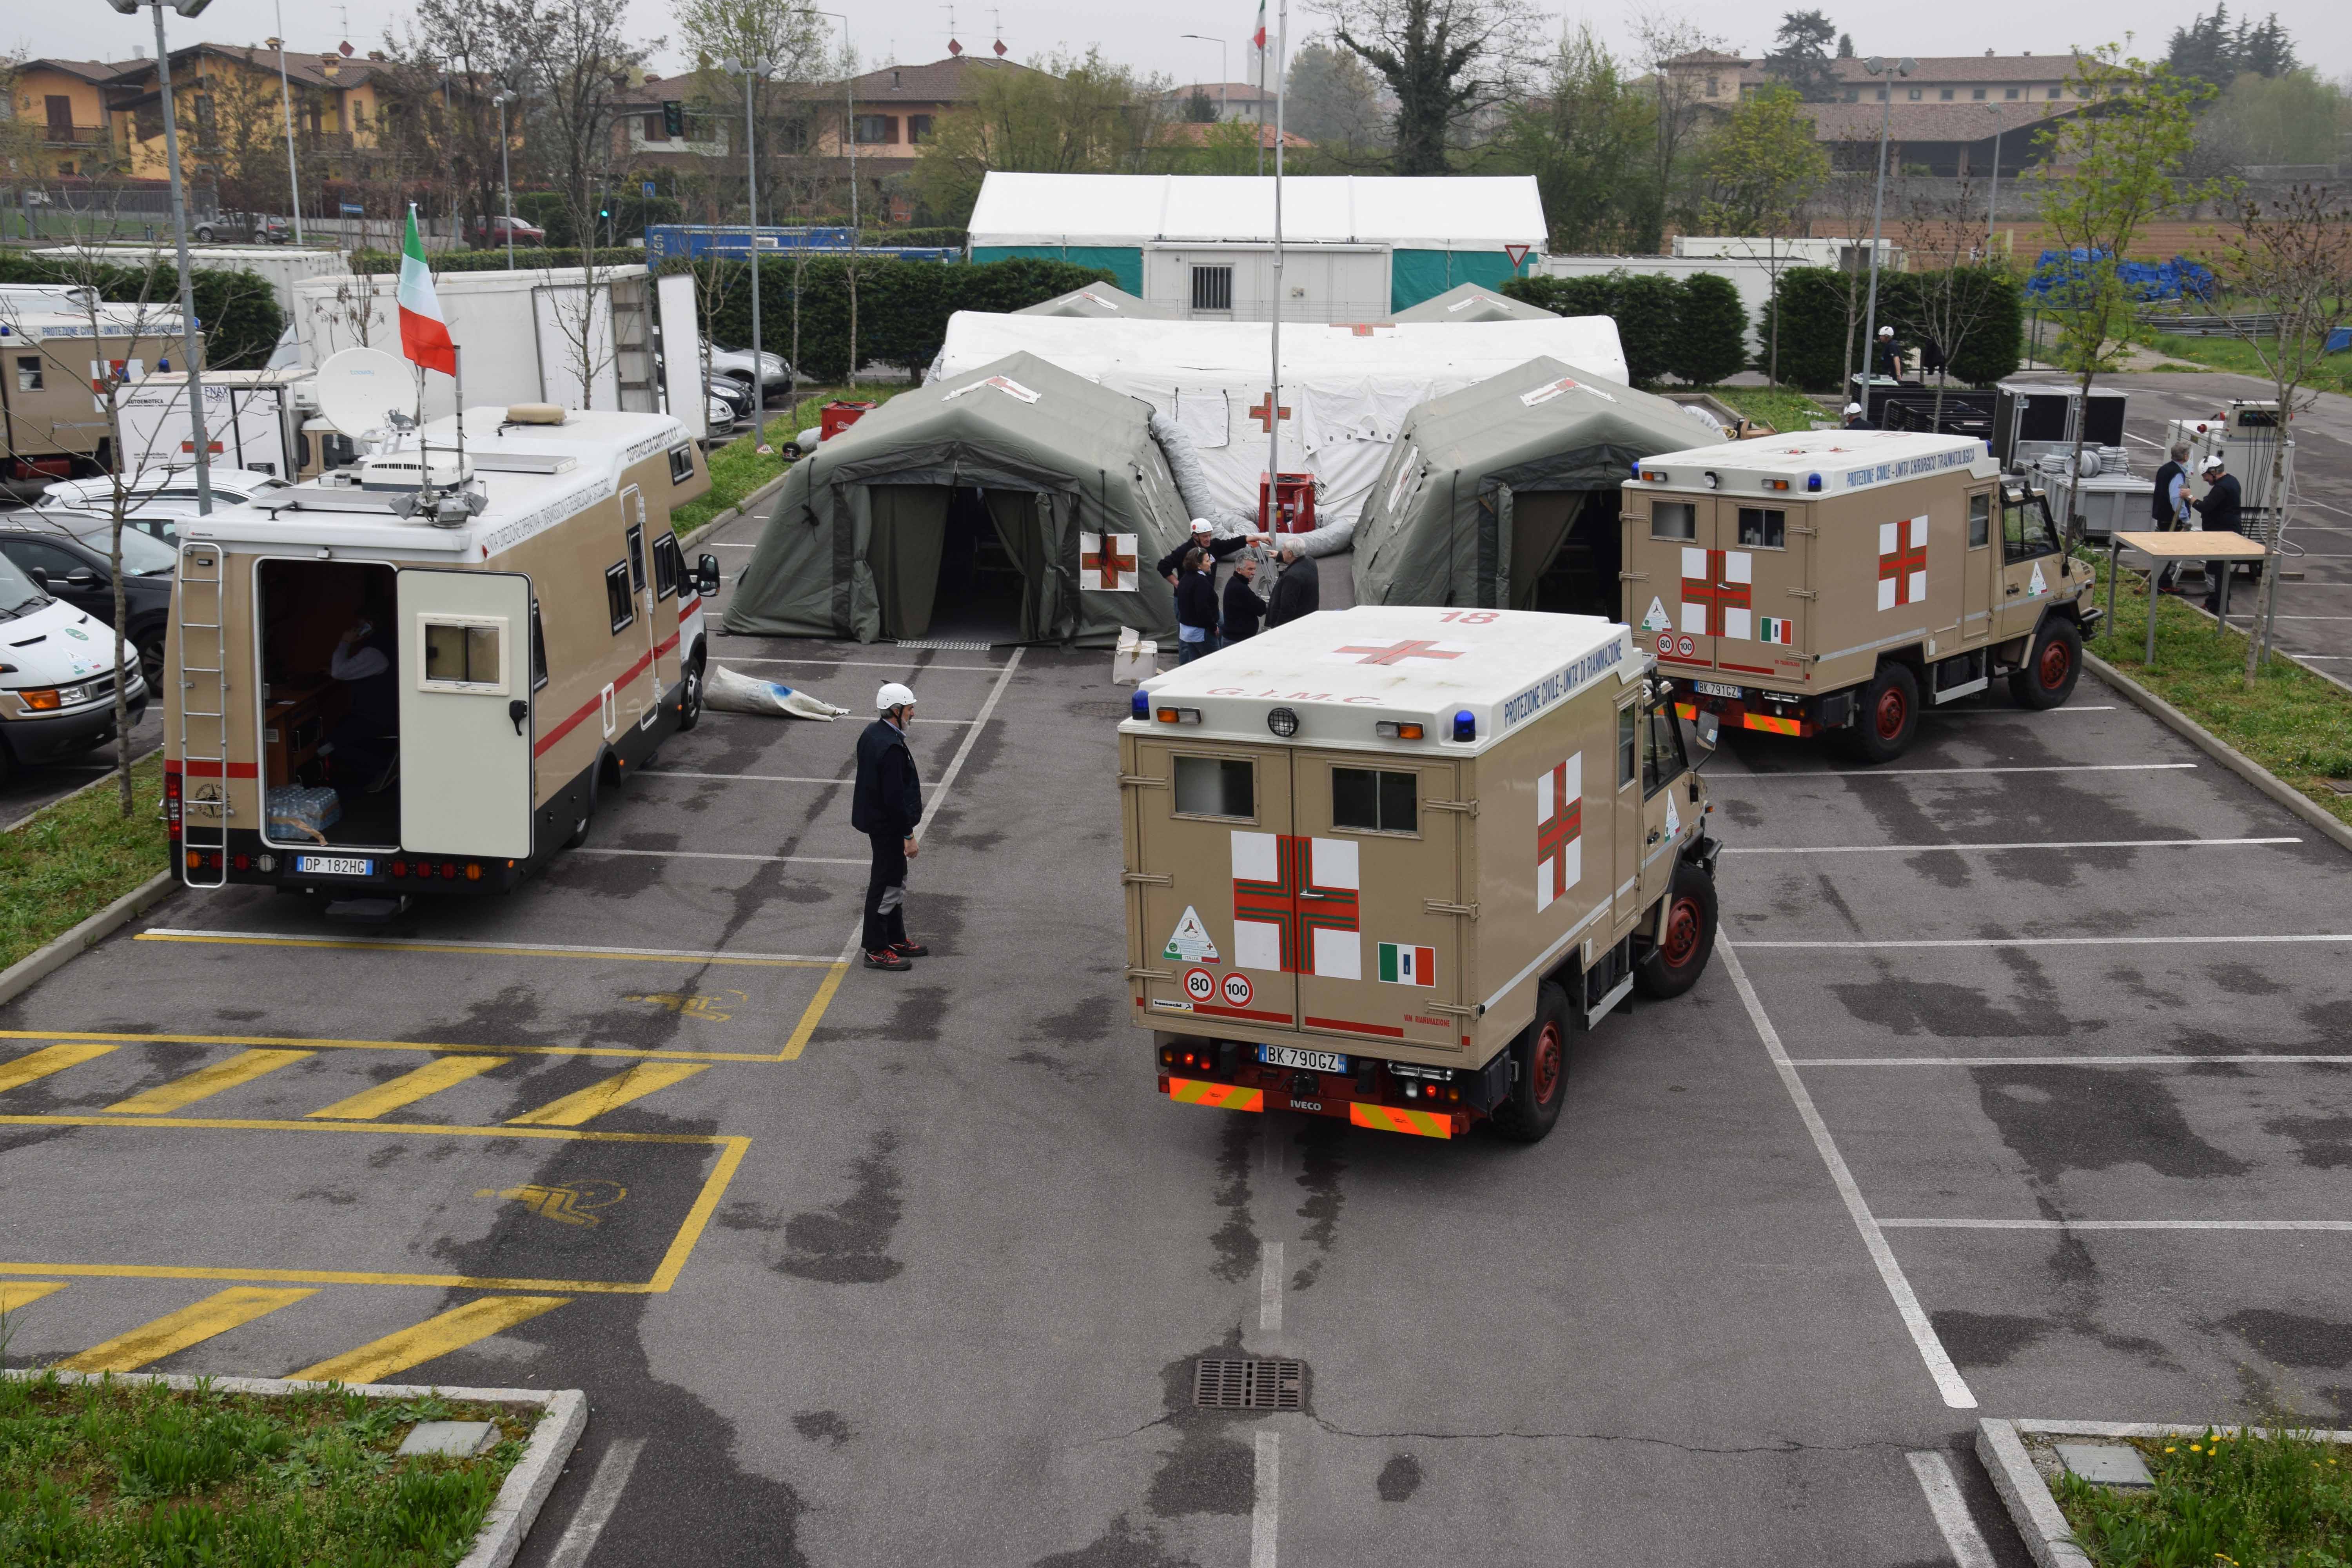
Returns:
(518, 710)
(2012, 588)
(1654, 835)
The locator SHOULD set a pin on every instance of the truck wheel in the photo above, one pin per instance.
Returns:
(1685, 937)
(689, 698)
(1539, 1076)
(1887, 717)
(2051, 668)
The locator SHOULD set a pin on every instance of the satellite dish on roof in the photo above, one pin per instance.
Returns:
(360, 389)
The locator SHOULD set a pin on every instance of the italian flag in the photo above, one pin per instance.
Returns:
(1401, 964)
(1259, 38)
(424, 335)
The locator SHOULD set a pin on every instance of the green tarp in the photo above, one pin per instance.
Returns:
(1418, 275)
(853, 543)
(1124, 262)
(1484, 484)
(1473, 302)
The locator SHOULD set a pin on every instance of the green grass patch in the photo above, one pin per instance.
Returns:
(1777, 406)
(75, 857)
(2332, 373)
(738, 469)
(2219, 1501)
(138, 1475)
(2290, 720)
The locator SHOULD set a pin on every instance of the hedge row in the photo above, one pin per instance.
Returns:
(526, 259)
(1693, 328)
(902, 306)
(238, 309)
(1812, 300)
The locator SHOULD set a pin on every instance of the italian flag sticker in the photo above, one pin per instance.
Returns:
(1770, 629)
(1402, 966)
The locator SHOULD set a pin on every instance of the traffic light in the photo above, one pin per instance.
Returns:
(674, 120)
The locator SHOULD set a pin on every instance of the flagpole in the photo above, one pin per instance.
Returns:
(1274, 397)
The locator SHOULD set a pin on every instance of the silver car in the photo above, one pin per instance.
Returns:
(158, 498)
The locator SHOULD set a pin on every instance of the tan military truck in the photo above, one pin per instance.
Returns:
(1381, 864)
(1837, 582)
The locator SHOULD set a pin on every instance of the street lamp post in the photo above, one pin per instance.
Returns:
(1208, 38)
(188, 326)
(751, 71)
(1887, 70)
(286, 101)
(506, 177)
(1992, 203)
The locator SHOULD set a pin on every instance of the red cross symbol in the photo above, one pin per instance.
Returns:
(1266, 414)
(1555, 833)
(1716, 592)
(1360, 329)
(1908, 556)
(1108, 560)
(1295, 904)
(1397, 653)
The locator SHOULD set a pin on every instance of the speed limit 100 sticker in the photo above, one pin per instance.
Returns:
(1200, 984)
(1238, 990)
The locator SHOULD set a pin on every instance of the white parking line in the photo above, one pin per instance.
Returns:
(2053, 1061)
(2019, 713)
(1984, 848)
(1265, 1508)
(2325, 1224)
(1948, 1382)
(596, 1511)
(1927, 773)
(1950, 1510)
(722, 855)
(1269, 1290)
(873, 664)
(747, 778)
(722, 544)
(2198, 940)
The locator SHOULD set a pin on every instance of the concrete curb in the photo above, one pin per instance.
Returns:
(113, 774)
(739, 508)
(2221, 751)
(55, 954)
(2026, 1492)
(521, 1497)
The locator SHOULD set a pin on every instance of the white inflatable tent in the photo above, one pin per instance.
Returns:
(1344, 389)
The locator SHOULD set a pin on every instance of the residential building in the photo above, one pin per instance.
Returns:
(67, 100)
(898, 107)
(1233, 100)
(710, 112)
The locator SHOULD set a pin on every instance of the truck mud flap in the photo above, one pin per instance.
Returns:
(1398, 1119)
(1220, 1096)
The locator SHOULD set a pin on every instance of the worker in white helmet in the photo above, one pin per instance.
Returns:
(1853, 419)
(1890, 355)
(885, 805)
(1201, 537)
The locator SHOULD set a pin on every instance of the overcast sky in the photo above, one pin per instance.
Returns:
(1145, 33)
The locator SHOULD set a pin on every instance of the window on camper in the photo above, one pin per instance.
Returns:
(1980, 520)
(617, 598)
(1673, 520)
(1766, 528)
(463, 653)
(28, 373)
(538, 648)
(636, 559)
(1374, 801)
(681, 464)
(1215, 786)
(668, 566)
(1629, 745)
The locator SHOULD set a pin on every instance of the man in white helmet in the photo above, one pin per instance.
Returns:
(885, 805)
(1852, 419)
(1202, 537)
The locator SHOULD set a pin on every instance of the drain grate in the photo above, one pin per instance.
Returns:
(953, 646)
(2341, 786)
(1220, 1384)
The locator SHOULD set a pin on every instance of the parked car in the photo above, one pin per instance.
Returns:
(736, 366)
(67, 555)
(736, 394)
(158, 497)
(719, 414)
(242, 228)
(492, 233)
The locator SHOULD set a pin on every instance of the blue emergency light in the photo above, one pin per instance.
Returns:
(1465, 725)
(1812, 481)
(1140, 705)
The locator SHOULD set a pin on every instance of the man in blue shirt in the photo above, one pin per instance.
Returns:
(2169, 508)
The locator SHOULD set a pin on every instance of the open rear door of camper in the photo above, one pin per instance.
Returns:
(465, 713)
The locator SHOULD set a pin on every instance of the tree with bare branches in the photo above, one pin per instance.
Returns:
(1448, 63)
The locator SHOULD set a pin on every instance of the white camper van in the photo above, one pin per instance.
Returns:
(417, 673)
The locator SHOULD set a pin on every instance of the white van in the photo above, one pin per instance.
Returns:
(56, 677)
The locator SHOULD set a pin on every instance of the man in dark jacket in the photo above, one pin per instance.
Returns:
(885, 805)
(1201, 538)
(1196, 607)
(2167, 506)
(1244, 608)
(2219, 508)
(1297, 594)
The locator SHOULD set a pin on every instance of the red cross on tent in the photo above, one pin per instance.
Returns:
(1560, 830)
(1902, 561)
(1105, 559)
(1714, 587)
(1295, 905)
(1265, 413)
(1398, 652)
(1361, 329)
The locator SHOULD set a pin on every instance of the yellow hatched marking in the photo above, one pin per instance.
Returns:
(494, 949)
(204, 1082)
(813, 1012)
(175, 1332)
(23, 1070)
(587, 1104)
(442, 1048)
(16, 1294)
(435, 1336)
(408, 1087)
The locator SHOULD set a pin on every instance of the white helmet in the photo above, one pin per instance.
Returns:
(1886, 331)
(1202, 525)
(1854, 409)
(892, 695)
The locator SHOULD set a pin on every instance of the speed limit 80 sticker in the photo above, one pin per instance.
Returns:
(1200, 984)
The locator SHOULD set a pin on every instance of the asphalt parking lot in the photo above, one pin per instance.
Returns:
(2033, 1103)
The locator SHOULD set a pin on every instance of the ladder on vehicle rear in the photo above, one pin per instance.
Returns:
(204, 716)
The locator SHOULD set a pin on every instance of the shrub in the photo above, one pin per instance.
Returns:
(1710, 335)
(1690, 328)
(1812, 328)
(238, 309)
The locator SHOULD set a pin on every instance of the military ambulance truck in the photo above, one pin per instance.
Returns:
(1839, 580)
(1383, 864)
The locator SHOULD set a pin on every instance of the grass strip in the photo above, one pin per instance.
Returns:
(75, 857)
(1783, 410)
(738, 469)
(125, 1475)
(2220, 1500)
(2332, 373)
(2290, 720)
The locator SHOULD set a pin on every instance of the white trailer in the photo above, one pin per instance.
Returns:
(282, 267)
(253, 420)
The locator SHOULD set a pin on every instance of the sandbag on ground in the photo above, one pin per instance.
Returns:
(725, 690)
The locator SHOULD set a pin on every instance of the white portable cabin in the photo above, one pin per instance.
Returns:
(1346, 390)
(1355, 247)
(280, 266)
(253, 419)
